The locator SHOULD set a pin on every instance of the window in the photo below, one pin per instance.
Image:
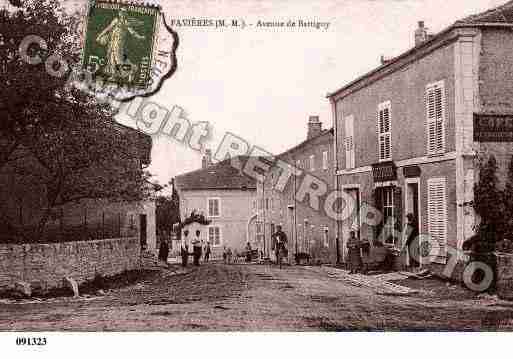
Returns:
(213, 207)
(254, 204)
(214, 236)
(435, 114)
(437, 218)
(325, 164)
(298, 164)
(349, 141)
(132, 221)
(325, 231)
(388, 214)
(259, 232)
(384, 131)
(312, 162)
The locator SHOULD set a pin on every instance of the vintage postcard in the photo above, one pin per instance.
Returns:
(259, 166)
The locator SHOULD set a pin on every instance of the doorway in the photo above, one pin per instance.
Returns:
(412, 202)
(143, 223)
(353, 224)
(355, 217)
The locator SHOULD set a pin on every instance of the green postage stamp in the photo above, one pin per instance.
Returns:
(120, 43)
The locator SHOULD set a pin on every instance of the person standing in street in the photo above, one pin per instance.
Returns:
(354, 253)
(411, 243)
(207, 252)
(184, 248)
(248, 252)
(280, 243)
(197, 248)
(163, 250)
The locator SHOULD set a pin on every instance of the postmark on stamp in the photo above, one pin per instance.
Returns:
(128, 46)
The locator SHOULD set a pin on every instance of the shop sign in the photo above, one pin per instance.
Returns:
(384, 171)
(493, 128)
(411, 171)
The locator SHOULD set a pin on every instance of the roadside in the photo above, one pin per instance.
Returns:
(217, 297)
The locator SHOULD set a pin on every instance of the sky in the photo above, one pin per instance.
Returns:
(263, 83)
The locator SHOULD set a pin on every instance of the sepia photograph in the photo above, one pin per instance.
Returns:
(285, 167)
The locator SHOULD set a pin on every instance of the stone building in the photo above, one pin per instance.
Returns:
(416, 125)
(308, 229)
(226, 197)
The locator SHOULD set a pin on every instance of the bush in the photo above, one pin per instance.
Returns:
(489, 205)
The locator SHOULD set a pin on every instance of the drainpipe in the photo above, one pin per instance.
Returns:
(264, 211)
(295, 210)
(335, 170)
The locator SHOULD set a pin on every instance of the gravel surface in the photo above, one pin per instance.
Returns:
(218, 297)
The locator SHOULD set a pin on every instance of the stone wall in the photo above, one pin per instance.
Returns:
(45, 266)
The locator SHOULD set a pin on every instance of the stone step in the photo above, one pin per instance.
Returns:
(377, 285)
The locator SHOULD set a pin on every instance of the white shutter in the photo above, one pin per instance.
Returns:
(349, 142)
(325, 160)
(384, 132)
(437, 218)
(435, 114)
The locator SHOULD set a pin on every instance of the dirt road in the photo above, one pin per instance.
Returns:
(217, 297)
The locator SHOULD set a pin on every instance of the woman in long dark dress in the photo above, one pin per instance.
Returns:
(354, 253)
(163, 251)
(412, 243)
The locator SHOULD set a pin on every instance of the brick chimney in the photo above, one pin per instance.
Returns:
(314, 127)
(421, 34)
(206, 161)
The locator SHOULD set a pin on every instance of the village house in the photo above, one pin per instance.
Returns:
(308, 230)
(226, 197)
(408, 133)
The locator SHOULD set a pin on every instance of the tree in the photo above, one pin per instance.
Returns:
(30, 95)
(168, 210)
(508, 202)
(82, 153)
(488, 201)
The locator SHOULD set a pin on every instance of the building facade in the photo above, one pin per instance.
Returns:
(409, 133)
(309, 229)
(226, 197)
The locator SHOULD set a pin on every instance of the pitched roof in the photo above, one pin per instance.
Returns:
(305, 142)
(499, 16)
(222, 175)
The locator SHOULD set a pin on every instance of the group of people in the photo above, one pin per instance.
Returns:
(202, 249)
(199, 249)
(354, 246)
(230, 256)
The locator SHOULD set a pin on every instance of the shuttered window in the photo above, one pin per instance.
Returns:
(384, 131)
(435, 114)
(349, 142)
(437, 218)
